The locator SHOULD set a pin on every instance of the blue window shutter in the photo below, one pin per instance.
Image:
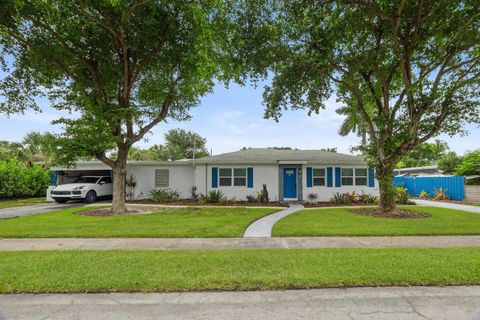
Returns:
(338, 177)
(110, 173)
(309, 177)
(371, 177)
(250, 177)
(329, 177)
(214, 177)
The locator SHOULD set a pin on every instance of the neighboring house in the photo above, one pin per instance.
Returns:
(288, 174)
(426, 171)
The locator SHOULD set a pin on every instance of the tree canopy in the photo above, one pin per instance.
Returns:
(424, 155)
(179, 144)
(470, 164)
(121, 67)
(410, 69)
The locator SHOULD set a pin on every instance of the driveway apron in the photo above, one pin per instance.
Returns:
(35, 209)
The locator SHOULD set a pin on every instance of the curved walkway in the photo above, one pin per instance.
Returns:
(262, 228)
(447, 205)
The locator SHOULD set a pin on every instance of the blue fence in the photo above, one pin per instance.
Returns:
(455, 185)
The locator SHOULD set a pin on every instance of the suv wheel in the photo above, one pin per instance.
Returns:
(91, 196)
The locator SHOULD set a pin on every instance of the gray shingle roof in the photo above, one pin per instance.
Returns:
(269, 155)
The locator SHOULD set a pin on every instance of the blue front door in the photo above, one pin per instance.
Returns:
(289, 183)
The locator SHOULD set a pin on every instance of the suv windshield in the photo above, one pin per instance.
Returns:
(86, 180)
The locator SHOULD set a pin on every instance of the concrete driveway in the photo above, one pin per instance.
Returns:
(448, 205)
(39, 208)
(388, 303)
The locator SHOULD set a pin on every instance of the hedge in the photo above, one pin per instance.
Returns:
(20, 180)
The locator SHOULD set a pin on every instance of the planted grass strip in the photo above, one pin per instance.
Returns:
(113, 271)
(164, 223)
(344, 222)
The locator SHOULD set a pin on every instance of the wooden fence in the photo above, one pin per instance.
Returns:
(472, 193)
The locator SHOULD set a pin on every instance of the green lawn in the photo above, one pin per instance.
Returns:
(166, 223)
(342, 222)
(107, 271)
(20, 202)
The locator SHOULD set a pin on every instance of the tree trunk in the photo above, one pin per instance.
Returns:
(387, 189)
(118, 199)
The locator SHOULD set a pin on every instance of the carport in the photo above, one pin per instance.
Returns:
(62, 175)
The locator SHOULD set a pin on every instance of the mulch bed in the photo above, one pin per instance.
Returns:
(188, 202)
(397, 214)
(331, 204)
(107, 212)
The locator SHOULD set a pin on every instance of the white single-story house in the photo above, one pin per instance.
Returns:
(288, 174)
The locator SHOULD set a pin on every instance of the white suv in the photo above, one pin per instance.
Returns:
(88, 188)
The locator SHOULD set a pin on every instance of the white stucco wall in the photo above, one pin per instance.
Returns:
(180, 179)
(183, 177)
(325, 193)
(267, 174)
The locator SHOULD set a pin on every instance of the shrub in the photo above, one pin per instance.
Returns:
(340, 198)
(260, 197)
(251, 198)
(130, 184)
(164, 195)
(194, 193)
(440, 194)
(312, 196)
(352, 197)
(402, 196)
(367, 198)
(213, 196)
(19, 180)
(230, 201)
(423, 194)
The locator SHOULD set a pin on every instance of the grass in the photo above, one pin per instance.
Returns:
(20, 202)
(113, 271)
(342, 222)
(165, 223)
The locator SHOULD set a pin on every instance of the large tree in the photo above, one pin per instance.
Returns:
(121, 67)
(424, 155)
(183, 144)
(416, 62)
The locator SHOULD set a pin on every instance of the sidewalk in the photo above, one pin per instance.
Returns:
(455, 302)
(15, 244)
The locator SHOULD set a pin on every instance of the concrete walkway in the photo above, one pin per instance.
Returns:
(263, 227)
(237, 243)
(385, 303)
(447, 205)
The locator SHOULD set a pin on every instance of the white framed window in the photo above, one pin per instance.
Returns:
(318, 177)
(225, 177)
(347, 176)
(354, 176)
(360, 176)
(228, 177)
(240, 177)
(162, 178)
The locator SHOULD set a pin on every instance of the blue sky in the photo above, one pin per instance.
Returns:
(233, 118)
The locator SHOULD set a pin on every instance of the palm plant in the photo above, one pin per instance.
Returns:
(353, 123)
